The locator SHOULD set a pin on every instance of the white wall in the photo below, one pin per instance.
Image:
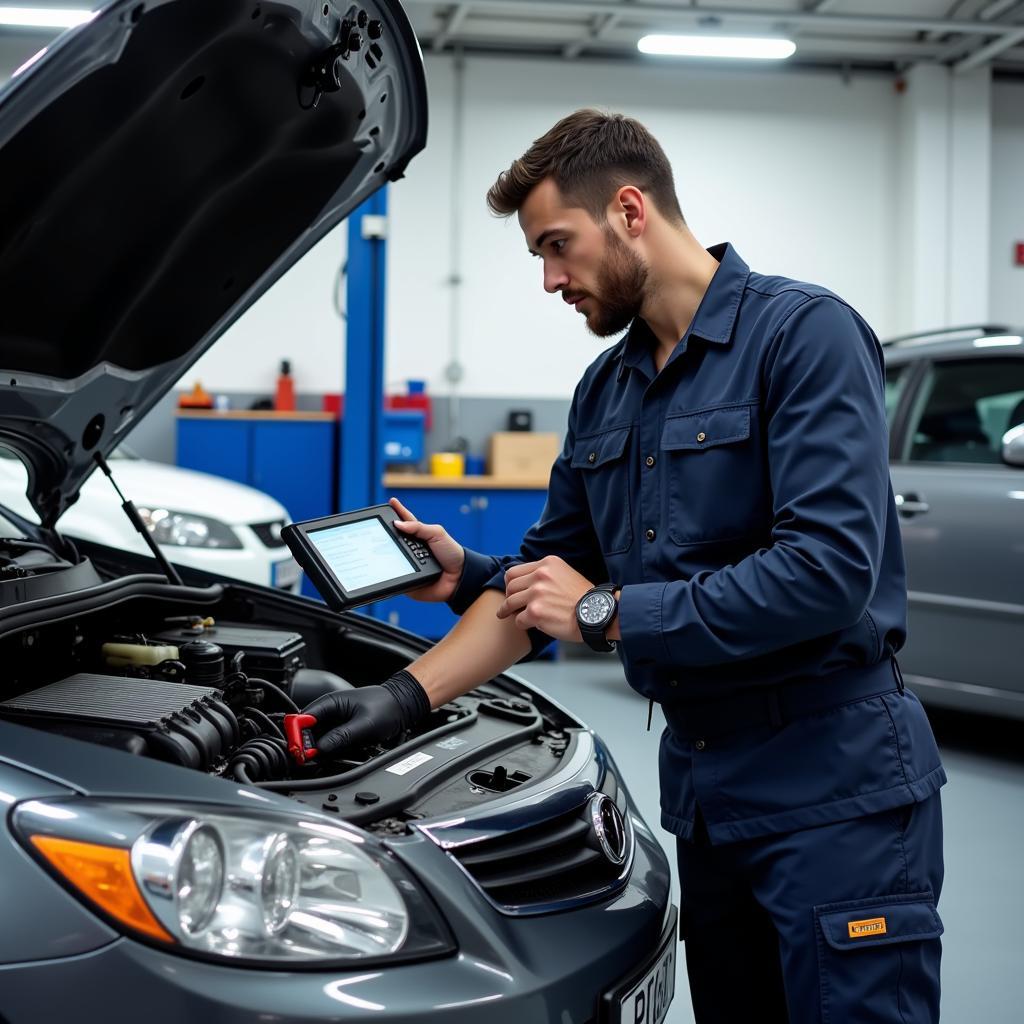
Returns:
(944, 190)
(1007, 280)
(795, 169)
(295, 320)
(803, 172)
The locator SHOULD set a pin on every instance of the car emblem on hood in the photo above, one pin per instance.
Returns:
(609, 828)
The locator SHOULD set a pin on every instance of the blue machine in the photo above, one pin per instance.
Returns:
(362, 436)
(404, 437)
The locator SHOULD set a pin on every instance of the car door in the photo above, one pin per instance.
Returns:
(962, 518)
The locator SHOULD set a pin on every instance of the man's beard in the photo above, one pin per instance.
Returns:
(621, 283)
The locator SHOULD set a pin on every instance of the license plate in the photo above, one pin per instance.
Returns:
(284, 574)
(645, 999)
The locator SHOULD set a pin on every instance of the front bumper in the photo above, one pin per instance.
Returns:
(548, 968)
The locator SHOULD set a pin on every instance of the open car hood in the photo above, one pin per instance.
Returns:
(162, 166)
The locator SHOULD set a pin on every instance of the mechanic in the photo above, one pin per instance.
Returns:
(725, 474)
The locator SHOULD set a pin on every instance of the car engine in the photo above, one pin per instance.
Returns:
(204, 677)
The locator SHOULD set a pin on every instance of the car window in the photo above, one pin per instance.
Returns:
(964, 410)
(895, 382)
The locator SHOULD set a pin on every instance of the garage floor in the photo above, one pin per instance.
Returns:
(982, 903)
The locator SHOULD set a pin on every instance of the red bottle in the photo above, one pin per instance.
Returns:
(284, 396)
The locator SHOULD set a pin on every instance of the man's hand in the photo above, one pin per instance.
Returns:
(544, 595)
(444, 548)
(370, 714)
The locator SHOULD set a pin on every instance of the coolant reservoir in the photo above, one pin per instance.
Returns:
(123, 655)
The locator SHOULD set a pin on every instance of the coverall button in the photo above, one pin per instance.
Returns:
(650, 535)
(592, 457)
(699, 744)
(650, 460)
(702, 436)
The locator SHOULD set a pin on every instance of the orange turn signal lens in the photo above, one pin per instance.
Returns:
(104, 875)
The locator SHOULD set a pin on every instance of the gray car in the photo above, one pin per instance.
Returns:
(955, 400)
(162, 857)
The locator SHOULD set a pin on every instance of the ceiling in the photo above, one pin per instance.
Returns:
(881, 34)
(886, 35)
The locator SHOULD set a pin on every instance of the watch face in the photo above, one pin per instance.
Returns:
(595, 608)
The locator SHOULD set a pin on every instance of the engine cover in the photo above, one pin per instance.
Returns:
(189, 725)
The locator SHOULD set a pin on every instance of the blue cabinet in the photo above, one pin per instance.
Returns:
(490, 520)
(294, 462)
(291, 459)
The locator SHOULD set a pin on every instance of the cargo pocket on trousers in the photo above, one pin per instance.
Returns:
(878, 959)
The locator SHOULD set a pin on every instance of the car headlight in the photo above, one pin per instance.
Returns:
(183, 529)
(268, 889)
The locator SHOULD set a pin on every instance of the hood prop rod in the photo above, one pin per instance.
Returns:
(136, 520)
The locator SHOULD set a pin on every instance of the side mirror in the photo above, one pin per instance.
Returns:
(1013, 446)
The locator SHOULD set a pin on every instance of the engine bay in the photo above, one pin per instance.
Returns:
(202, 677)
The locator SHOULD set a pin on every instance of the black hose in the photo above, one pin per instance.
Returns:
(261, 757)
(412, 744)
(278, 692)
(267, 721)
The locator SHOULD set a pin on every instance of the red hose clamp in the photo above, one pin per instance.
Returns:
(298, 730)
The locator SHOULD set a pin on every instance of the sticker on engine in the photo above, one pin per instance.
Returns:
(406, 766)
(452, 743)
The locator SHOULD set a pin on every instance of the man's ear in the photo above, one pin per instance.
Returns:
(630, 206)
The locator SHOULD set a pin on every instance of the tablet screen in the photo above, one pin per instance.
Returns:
(361, 554)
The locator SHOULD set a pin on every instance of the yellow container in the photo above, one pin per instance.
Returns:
(447, 464)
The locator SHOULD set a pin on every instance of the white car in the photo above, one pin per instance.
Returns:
(201, 521)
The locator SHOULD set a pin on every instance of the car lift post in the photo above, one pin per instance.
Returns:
(360, 472)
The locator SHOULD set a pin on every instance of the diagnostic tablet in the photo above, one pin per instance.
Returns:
(359, 556)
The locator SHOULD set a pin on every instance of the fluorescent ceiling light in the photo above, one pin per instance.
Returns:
(44, 17)
(999, 341)
(742, 47)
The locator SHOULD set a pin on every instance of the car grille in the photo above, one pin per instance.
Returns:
(552, 862)
(269, 533)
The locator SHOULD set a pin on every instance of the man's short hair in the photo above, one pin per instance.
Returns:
(590, 155)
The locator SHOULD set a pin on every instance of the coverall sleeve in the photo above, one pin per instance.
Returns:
(824, 407)
(564, 529)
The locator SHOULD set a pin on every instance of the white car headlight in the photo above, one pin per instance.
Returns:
(200, 878)
(252, 888)
(185, 529)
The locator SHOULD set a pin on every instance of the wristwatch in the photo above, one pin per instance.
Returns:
(595, 612)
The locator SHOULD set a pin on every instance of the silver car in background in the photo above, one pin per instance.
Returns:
(955, 402)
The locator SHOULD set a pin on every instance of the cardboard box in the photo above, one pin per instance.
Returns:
(522, 454)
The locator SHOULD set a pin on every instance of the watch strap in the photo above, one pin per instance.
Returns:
(593, 635)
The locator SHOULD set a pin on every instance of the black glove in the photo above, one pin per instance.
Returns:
(370, 714)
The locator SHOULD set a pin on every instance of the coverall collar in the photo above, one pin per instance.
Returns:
(713, 322)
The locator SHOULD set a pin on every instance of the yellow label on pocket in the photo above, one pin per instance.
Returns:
(862, 929)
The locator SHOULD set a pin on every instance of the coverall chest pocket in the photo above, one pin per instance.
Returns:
(603, 462)
(716, 481)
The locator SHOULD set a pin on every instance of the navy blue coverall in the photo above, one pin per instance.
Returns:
(741, 499)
